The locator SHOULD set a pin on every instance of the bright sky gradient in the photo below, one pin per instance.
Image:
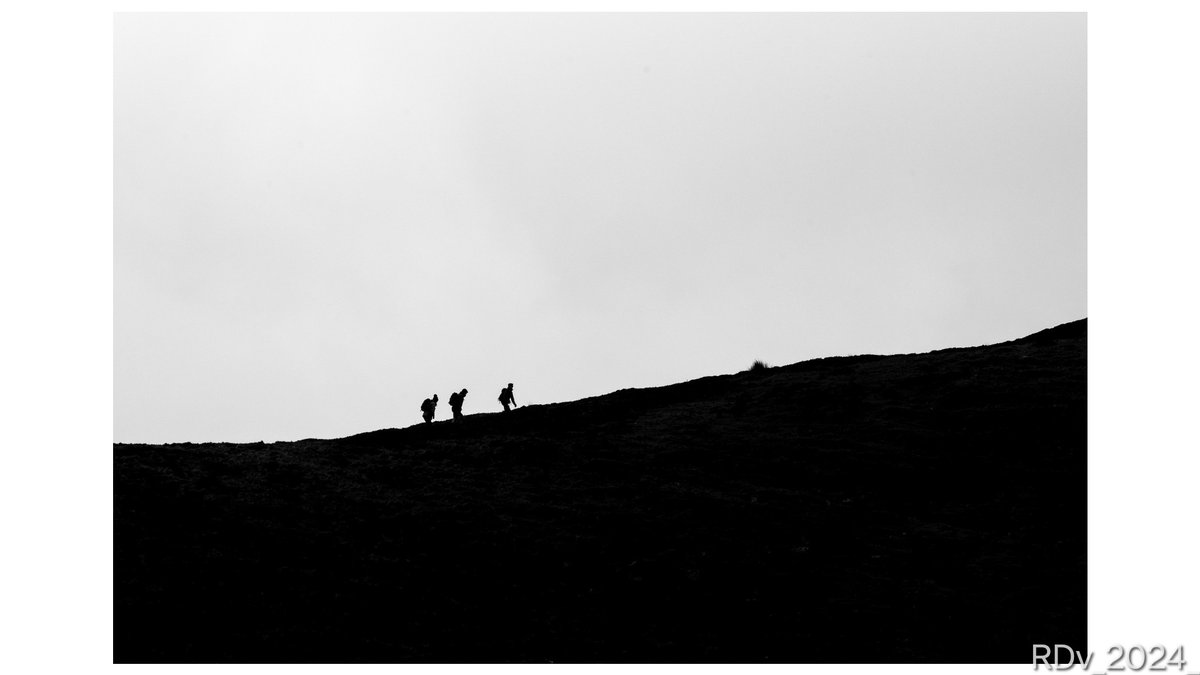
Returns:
(322, 219)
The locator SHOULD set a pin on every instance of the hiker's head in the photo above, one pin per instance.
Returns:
(435, 398)
(510, 385)
(464, 392)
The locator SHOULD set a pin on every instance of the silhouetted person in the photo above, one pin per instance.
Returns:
(428, 406)
(456, 403)
(506, 397)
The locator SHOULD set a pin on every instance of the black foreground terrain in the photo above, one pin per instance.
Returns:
(912, 508)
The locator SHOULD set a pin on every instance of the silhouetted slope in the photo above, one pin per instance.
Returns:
(927, 508)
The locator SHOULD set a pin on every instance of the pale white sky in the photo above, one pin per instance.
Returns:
(322, 219)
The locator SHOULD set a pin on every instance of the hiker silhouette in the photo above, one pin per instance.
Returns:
(456, 403)
(506, 397)
(428, 406)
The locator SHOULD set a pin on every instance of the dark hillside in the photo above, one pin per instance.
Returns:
(911, 508)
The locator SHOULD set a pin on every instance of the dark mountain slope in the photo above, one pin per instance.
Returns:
(912, 508)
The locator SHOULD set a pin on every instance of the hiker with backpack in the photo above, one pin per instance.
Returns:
(428, 406)
(506, 397)
(456, 403)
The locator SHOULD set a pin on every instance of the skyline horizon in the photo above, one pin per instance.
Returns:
(444, 405)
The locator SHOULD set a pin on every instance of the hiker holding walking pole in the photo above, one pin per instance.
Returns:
(506, 397)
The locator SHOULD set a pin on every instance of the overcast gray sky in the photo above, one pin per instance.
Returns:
(322, 219)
